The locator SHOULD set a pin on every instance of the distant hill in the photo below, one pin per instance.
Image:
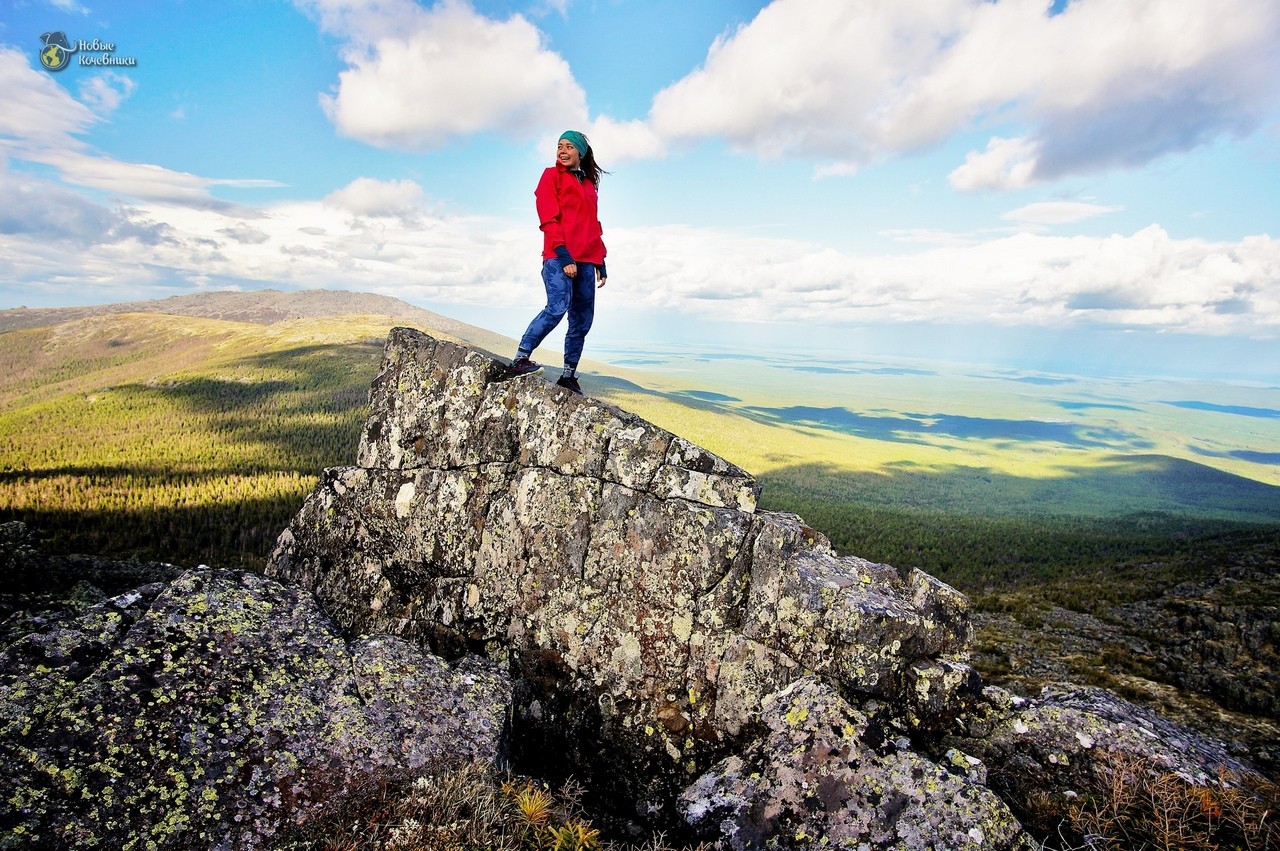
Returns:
(259, 307)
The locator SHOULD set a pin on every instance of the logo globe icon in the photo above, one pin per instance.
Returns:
(53, 57)
(56, 53)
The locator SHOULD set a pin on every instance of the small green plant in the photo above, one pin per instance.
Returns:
(532, 802)
(539, 812)
(574, 835)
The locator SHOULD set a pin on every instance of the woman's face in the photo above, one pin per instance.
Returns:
(567, 154)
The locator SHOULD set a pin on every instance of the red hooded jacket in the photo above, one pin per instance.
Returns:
(568, 215)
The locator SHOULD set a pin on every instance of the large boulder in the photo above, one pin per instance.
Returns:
(216, 710)
(710, 665)
(647, 604)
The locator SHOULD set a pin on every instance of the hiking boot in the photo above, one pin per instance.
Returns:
(524, 366)
(568, 382)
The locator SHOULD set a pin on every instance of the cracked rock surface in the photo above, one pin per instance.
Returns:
(647, 603)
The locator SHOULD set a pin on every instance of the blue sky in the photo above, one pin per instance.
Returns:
(1088, 185)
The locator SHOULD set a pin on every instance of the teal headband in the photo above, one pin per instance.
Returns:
(577, 140)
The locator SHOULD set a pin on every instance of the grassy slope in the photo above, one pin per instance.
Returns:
(188, 429)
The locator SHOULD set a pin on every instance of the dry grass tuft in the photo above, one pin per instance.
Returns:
(472, 808)
(1136, 804)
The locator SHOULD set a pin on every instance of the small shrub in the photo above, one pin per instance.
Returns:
(574, 835)
(1137, 804)
(533, 802)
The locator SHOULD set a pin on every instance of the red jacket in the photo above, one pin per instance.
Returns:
(568, 216)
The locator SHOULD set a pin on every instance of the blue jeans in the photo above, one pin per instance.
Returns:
(575, 296)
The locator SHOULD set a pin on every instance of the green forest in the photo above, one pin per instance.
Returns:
(145, 440)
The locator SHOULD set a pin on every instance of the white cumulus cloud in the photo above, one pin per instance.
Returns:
(1101, 85)
(366, 196)
(1143, 280)
(624, 140)
(418, 78)
(1005, 164)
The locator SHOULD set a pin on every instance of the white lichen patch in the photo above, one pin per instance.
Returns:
(404, 499)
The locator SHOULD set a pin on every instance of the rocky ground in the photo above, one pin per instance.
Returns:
(1203, 652)
(513, 574)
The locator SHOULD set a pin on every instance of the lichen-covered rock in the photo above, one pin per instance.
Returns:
(215, 710)
(1067, 743)
(438, 405)
(828, 775)
(853, 620)
(39, 670)
(1060, 741)
(513, 518)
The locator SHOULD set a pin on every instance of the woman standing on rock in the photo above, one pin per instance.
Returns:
(572, 255)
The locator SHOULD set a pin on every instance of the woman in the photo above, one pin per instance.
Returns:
(572, 255)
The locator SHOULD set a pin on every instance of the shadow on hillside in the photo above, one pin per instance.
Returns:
(307, 403)
(1235, 410)
(143, 473)
(1271, 459)
(920, 428)
(213, 394)
(917, 428)
(231, 534)
(1122, 485)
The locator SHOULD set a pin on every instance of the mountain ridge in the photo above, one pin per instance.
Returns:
(260, 307)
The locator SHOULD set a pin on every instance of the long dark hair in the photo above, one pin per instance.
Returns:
(590, 168)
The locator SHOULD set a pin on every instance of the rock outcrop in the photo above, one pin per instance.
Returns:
(1228, 637)
(717, 665)
(647, 603)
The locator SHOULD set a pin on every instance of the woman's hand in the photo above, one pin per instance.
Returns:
(600, 282)
(571, 269)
